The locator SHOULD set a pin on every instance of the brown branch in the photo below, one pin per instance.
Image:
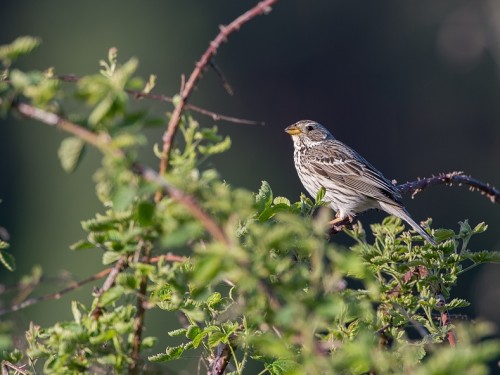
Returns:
(17, 369)
(99, 275)
(221, 361)
(103, 143)
(187, 201)
(452, 178)
(168, 99)
(100, 141)
(108, 283)
(56, 295)
(133, 368)
(262, 7)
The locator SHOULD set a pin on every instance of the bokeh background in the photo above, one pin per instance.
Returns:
(413, 86)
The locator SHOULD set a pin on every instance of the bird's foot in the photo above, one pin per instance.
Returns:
(339, 223)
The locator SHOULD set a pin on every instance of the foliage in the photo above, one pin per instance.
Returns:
(277, 292)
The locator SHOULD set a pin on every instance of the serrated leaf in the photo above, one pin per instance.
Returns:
(110, 257)
(480, 228)
(110, 296)
(216, 148)
(70, 153)
(20, 46)
(320, 194)
(457, 303)
(82, 245)
(7, 260)
(77, 314)
(148, 342)
(214, 299)
(192, 332)
(443, 234)
(170, 354)
(282, 366)
(281, 201)
(206, 270)
(144, 213)
(264, 197)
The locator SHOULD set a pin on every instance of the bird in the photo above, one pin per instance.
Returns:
(352, 185)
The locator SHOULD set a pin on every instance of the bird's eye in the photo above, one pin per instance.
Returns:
(309, 127)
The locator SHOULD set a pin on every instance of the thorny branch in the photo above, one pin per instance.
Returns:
(164, 98)
(262, 7)
(451, 178)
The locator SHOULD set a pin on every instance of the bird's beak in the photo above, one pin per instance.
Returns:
(293, 130)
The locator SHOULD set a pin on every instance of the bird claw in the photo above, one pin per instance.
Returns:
(338, 225)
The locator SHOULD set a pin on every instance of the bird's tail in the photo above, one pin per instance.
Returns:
(403, 214)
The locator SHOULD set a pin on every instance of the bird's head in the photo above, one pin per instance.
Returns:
(308, 132)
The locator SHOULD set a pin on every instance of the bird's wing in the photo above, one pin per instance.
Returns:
(342, 165)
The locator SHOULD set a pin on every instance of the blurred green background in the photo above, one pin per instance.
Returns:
(413, 86)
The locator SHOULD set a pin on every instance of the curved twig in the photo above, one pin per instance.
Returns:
(262, 7)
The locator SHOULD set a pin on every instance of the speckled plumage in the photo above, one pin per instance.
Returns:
(352, 184)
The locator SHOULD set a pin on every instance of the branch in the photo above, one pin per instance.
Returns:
(139, 317)
(56, 295)
(103, 143)
(452, 178)
(262, 7)
(99, 275)
(221, 360)
(187, 201)
(108, 283)
(164, 98)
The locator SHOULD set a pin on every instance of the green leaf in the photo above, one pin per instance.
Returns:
(7, 260)
(281, 201)
(320, 195)
(4, 245)
(282, 367)
(206, 270)
(110, 257)
(480, 228)
(82, 245)
(19, 47)
(110, 296)
(170, 354)
(457, 303)
(70, 153)
(216, 148)
(264, 197)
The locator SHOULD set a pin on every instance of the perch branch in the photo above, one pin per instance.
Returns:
(262, 7)
(451, 178)
(221, 360)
